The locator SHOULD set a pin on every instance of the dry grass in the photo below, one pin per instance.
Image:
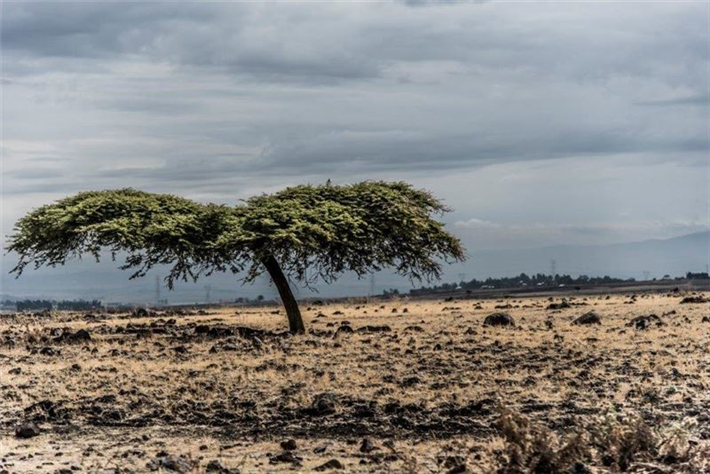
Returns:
(436, 391)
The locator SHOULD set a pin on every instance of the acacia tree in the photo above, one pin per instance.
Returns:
(303, 234)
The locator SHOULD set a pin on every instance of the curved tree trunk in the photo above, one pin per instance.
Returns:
(295, 321)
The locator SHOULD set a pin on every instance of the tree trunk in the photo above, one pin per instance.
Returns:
(295, 321)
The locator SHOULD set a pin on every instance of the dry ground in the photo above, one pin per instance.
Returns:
(426, 383)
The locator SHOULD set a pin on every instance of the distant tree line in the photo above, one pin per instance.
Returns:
(521, 281)
(697, 276)
(79, 305)
(33, 305)
(65, 305)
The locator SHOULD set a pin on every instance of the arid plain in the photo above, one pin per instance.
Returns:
(378, 386)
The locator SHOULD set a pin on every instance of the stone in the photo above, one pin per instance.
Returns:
(289, 445)
(176, 463)
(499, 319)
(27, 430)
(332, 464)
(588, 318)
(645, 322)
(367, 446)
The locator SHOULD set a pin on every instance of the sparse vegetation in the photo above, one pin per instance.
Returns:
(430, 389)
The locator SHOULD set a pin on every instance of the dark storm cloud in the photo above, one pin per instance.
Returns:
(226, 38)
(292, 42)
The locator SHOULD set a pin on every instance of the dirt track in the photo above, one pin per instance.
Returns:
(425, 383)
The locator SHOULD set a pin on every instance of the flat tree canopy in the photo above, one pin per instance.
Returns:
(303, 233)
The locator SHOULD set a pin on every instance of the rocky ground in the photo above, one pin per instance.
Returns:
(391, 386)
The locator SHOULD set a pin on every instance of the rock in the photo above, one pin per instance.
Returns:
(66, 336)
(367, 446)
(414, 329)
(580, 468)
(289, 445)
(694, 300)
(344, 329)
(216, 466)
(27, 430)
(48, 351)
(176, 463)
(644, 322)
(320, 449)
(499, 319)
(202, 329)
(460, 469)
(383, 328)
(324, 404)
(332, 464)
(588, 318)
(561, 305)
(82, 335)
(286, 457)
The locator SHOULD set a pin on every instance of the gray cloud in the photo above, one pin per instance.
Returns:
(699, 100)
(218, 101)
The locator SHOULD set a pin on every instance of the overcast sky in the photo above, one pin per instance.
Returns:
(538, 123)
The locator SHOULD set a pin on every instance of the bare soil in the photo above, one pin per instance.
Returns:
(392, 386)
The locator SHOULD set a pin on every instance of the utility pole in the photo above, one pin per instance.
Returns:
(372, 284)
(157, 289)
(208, 289)
(553, 268)
(646, 275)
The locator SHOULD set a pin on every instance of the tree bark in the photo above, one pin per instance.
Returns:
(295, 321)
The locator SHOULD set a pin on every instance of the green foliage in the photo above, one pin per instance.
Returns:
(325, 230)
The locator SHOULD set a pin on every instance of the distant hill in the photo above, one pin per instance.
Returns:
(89, 280)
